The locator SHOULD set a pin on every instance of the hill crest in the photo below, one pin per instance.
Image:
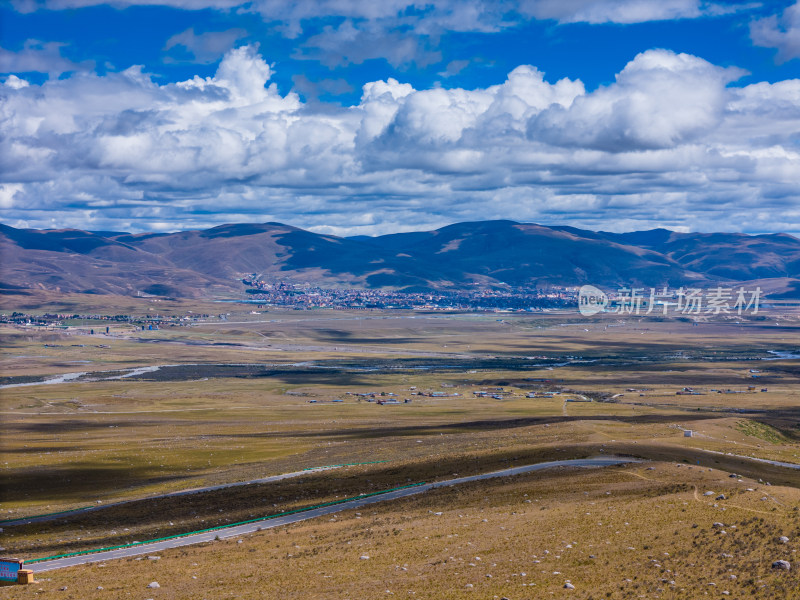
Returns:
(491, 254)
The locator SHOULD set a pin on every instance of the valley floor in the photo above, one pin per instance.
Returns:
(263, 397)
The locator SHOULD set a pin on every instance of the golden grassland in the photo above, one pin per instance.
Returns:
(155, 518)
(76, 443)
(625, 532)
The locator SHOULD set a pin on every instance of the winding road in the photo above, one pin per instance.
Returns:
(269, 523)
(79, 511)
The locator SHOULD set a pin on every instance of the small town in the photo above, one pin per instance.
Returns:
(307, 295)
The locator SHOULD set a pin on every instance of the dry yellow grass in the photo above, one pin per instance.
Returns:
(72, 444)
(614, 533)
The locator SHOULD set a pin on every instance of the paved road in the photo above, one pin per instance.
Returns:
(71, 513)
(239, 530)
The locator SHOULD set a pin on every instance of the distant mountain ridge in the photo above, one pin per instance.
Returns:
(491, 254)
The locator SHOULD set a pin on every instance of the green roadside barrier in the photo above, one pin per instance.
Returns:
(220, 527)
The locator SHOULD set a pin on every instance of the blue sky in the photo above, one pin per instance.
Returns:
(353, 117)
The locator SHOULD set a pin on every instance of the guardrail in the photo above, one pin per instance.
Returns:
(221, 527)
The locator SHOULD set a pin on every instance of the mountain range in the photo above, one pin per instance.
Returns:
(490, 254)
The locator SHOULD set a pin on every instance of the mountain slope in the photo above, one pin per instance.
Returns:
(486, 253)
(725, 255)
(527, 254)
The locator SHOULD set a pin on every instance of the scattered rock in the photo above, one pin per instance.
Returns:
(721, 497)
(783, 565)
(718, 525)
(364, 557)
(783, 539)
(708, 493)
(569, 586)
(153, 585)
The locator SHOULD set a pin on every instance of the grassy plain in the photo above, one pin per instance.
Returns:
(253, 395)
(625, 532)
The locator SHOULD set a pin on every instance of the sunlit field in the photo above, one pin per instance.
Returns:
(266, 391)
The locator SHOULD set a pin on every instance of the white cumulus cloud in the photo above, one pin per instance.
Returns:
(781, 32)
(670, 143)
(41, 57)
(659, 100)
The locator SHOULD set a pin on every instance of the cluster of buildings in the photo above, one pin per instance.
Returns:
(20, 318)
(384, 398)
(87, 320)
(305, 295)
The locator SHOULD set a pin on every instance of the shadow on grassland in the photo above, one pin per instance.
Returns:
(75, 425)
(325, 376)
(467, 426)
(173, 515)
(74, 482)
(338, 336)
